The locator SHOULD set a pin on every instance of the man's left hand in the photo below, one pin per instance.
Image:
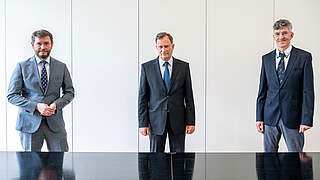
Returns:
(303, 128)
(53, 107)
(190, 129)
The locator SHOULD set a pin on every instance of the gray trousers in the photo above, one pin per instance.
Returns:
(272, 134)
(56, 141)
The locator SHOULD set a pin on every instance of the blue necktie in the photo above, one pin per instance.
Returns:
(166, 76)
(44, 76)
(280, 70)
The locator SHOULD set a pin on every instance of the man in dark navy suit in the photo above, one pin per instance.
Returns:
(285, 102)
(166, 103)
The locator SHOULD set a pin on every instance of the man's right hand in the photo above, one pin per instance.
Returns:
(144, 131)
(260, 126)
(44, 109)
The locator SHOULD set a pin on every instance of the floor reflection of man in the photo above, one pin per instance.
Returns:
(284, 166)
(42, 166)
(162, 166)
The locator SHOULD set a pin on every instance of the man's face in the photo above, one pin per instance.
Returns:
(282, 37)
(42, 47)
(164, 48)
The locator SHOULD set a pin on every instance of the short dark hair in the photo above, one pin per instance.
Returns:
(282, 23)
(40, 34)
(161, 35)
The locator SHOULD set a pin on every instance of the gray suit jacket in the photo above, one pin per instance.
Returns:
(25, 91)
(156, 102)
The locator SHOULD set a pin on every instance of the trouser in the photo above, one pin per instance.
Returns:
(56, 141)
(176, 141)
(292, 137)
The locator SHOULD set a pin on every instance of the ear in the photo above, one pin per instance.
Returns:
(292, 34)
(172, 46)
(274, 36)
(32, 44)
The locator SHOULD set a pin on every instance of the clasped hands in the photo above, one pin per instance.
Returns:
(145, 130)
(45, 109)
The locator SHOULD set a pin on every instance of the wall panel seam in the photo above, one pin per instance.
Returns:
(206, 74)
(71, 60)
(5, 69)
(138, 56)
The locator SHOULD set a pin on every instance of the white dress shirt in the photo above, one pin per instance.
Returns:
(162, 66)
(286, 59)
(40, 66)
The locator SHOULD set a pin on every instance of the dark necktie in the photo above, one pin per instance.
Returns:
(280, 70)
(44, 76)
(166, 76)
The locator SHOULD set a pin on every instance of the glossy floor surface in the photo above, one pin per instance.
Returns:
(159, 166)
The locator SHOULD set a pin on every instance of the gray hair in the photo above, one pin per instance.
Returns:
(161, 35)
(282, 23)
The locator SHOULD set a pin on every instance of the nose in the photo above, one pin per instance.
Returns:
(281, 36)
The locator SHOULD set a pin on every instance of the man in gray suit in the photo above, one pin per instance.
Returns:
(166, 103)
(35, 88)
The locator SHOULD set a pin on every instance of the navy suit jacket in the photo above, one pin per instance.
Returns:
(293, 99)
(155, 101)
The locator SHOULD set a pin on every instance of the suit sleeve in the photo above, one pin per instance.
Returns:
(67, 90)
(14, 95)
(190, 110)
(143, 100)
(263, 87)
(308, 93)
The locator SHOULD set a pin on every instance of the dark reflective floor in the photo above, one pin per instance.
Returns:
(159, 166)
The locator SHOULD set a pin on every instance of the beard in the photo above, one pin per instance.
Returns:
(44, 54)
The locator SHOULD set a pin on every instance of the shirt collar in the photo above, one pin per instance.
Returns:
(162, 61)
(39, 60)
(286, 52)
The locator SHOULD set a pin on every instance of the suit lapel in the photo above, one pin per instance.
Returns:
(272, 67)
(158, 74)
(290, 65)
(52, 67)
(35, 69)
(175, 66)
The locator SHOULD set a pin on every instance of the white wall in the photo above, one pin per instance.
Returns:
(104, 43)
(239, 33)
(105, 75)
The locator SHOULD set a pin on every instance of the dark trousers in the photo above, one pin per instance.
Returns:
(176, 141)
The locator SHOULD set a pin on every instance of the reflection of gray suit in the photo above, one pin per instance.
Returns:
(25, 91)
(43, 165)
(35, 164)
